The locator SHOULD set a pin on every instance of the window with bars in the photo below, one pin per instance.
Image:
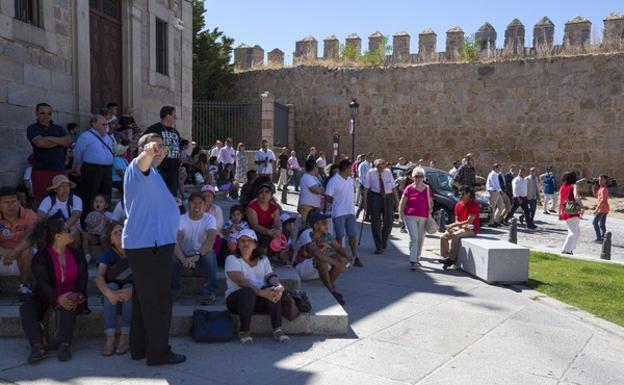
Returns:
(162, 50)
(28, 11)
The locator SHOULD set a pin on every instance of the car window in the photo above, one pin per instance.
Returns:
(443, 181)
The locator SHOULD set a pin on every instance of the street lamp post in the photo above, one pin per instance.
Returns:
(353, 108)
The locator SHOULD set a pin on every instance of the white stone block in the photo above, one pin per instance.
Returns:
(37, 76)
(494, 261)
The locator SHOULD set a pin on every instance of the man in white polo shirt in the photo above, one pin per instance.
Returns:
(340, 193)
(264, 160)
(519, 188)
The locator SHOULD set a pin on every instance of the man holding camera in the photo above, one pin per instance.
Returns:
(264, 160)
(602, 207)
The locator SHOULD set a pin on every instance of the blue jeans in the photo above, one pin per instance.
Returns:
(600, 225)
(111, 311)
(208, 265)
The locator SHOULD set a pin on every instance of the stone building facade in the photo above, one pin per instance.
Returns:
(564, 111)
(78, 55)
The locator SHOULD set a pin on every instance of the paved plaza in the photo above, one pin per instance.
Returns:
(424, 327)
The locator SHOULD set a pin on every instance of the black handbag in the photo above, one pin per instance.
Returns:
(119, 272)
(212, 326)
(52, 327)
(302, 300)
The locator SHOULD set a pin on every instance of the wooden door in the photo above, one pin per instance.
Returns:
(105, 37)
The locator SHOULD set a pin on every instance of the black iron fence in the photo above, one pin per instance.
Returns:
(220, 120)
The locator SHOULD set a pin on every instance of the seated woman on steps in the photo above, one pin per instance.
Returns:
(60, 274)
(252, 286)
(114, 280)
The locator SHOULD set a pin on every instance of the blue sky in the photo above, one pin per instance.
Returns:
(279, 23)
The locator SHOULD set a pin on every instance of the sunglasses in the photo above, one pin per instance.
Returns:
(419, 176)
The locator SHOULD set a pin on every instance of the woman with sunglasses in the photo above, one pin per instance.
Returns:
(60, 274)
(414, 208)
(263, 215)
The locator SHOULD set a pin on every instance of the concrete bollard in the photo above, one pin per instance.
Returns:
(606, 247)
(513, 231)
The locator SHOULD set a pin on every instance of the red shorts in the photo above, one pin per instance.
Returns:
(41, 180)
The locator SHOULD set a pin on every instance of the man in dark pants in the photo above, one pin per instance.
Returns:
(170, 166)
(149, 238)
(93, 161)
(520, 199)
(380, 198)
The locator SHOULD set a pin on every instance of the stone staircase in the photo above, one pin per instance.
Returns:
(327, 317)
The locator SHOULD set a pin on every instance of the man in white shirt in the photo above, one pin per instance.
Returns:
(380, 199)
(311, 191)
(453, 171)
(294, 170)
(340, 193)
(363, 169)
(214, 151)
(193, 249)
(227, 154)
(519, 189)
(264, 160)
(493, 187)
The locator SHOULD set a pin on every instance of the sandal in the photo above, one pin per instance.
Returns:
(280, 336)
(109, 347)
(245, 339)
(124, 346)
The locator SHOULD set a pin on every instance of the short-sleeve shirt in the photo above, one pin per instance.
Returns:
(13, 233)
(195, 232)
(171, 142)
(227, 155)
(283, 161)
(371, 181)
(51, 159)
(305, 238)
(153, 216)
(254, 275)
(119, 163)
(341, 190)
(307, 197)
(109, 257)
(268, 156)
(119, 213)
(466, 176)
(48, 209)
(265, 217)
(463, 211)
(603, 194)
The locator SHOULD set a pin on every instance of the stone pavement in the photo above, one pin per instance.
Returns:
(425, 327)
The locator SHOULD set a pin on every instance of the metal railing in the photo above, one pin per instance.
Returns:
(214, 121)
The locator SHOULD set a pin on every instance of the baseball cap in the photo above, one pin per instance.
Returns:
(208, 187)
(316, 216)
(285, 217)
(249, 233)
(7, 191)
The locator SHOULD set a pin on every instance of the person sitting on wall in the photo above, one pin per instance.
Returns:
(319, 255)
(16, 223)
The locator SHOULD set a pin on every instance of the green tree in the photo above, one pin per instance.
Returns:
(212, 51)
(470, 49)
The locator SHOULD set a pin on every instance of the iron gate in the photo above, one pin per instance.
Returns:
(280, 122)
(214, 121)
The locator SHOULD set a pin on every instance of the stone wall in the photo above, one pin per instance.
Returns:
(564, 111)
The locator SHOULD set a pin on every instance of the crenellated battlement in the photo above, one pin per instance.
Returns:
(576, 39)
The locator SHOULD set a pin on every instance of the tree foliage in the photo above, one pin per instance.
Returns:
(212, 51)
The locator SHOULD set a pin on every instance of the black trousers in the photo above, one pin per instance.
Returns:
(31, 315)
(381, 212)
(94, 180)
(151, 302)
(245, 302)
(525, 208)
(172, 181)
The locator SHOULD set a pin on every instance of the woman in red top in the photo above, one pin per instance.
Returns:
(568, 192)
(263, 216)
(61, 283)
(466, 225)
(414, 208)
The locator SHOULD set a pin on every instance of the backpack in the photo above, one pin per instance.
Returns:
(59, 214)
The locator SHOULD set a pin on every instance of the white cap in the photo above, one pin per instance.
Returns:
(286, 217)
(248, 233)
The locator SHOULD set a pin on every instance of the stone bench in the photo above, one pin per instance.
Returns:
(494, 261)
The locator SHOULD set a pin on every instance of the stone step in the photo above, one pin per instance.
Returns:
(327, 317)
(191, 282)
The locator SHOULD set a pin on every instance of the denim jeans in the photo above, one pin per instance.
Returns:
(600, 225)
(111, 311)
(208, 265)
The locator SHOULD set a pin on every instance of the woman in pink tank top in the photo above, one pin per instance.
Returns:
(414, 208)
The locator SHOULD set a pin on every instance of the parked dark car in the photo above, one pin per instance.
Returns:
(444, 194)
